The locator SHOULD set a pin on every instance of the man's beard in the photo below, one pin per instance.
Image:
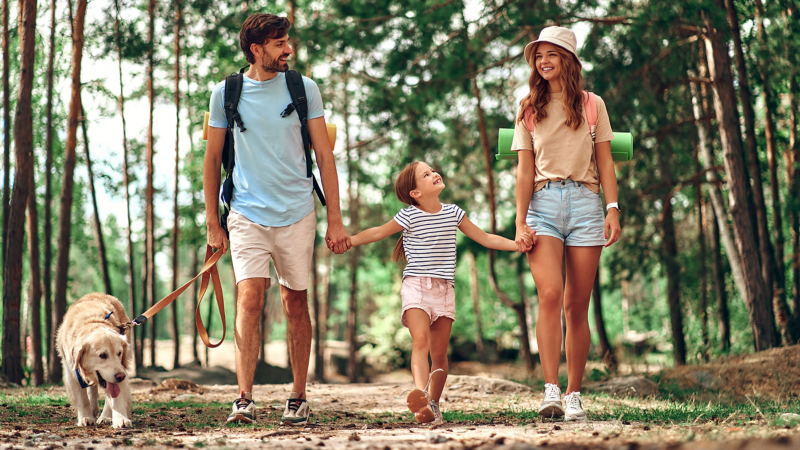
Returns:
(274, 66)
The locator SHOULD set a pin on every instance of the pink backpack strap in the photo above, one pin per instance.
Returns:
(590, 106)
(527, 116)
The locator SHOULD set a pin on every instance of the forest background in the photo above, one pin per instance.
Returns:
(103, 105)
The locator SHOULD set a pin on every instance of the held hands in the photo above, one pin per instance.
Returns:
(525, 238)
(337, 239)
(611, 227)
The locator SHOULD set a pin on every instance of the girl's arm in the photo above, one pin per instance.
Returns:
(371, 235)
(492, 240)
(608, 179)
(525, 171)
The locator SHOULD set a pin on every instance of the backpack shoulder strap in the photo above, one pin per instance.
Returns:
(527, 117)
(590, 106)
(297, 90)
(233, 92)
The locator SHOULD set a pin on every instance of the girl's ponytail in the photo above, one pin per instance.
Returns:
(405, 183)
(399, 252)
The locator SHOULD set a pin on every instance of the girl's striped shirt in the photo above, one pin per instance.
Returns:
(429, 241)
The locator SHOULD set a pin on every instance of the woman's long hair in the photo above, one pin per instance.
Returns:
(405, 183)
(572, 94)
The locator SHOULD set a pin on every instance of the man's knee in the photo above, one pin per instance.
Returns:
(295, 303)
(250, 296)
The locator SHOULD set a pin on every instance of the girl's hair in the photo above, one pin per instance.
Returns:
(406, 182)
(572, 97)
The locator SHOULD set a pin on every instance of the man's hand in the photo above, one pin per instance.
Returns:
(216, 237)
(337, 239)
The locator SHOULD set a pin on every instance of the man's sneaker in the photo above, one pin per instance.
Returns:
(437, 414)
(574, 407)
(244, 409)
(296, 411)
(551, 407)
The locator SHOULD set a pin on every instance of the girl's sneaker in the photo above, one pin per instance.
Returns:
(574, 407)
(419, 402)
(551, 407)
(437, 414)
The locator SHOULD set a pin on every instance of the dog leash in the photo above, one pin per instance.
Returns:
(209, 271)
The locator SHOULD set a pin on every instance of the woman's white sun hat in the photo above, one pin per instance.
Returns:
(560, 36)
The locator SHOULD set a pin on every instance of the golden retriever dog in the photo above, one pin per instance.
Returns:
(97, 350)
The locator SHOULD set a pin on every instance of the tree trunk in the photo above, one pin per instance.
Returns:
(792, 158)
(176, 335)
(143, 330)
(474, 290)
(48, 187)
(519, 309)
(126, 181)
(98, 228)
(764, 243)
(209, 318)
(35, 293)
(604, 348)
(724, 317)
(701, 239)
(757, 298)
(150, 219)
(6, 131)
(65, 207)
(352, 202)
(190, 323)
(265, 328)
(319, 344)
(23, 174)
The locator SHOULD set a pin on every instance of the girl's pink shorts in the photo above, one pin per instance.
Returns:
(435, 296)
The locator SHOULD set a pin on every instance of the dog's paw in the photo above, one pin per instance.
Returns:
(104, 420)
(122, 422)
(86, 421)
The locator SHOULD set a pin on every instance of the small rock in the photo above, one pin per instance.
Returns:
(354, 437)
(790, 417)
(435, 438)
(183, 397)
(623, 386)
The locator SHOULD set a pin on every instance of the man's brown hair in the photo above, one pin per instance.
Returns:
(258, 29)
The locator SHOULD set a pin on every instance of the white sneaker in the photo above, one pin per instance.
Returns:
(437, 414)
(244, 410)
(296, 411)
(574, 407)
(551, 405)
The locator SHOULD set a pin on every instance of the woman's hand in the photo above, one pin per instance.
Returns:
(524, 233)
(611, 227)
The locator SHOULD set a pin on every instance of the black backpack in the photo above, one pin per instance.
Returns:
(233, 92)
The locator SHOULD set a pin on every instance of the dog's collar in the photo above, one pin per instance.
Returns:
(81, 381)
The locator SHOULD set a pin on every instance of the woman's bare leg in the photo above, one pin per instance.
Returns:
(581, 270)
(545, 263)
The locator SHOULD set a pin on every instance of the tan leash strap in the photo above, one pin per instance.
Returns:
(209, 271)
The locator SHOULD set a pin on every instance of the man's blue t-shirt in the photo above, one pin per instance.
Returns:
(270, 183)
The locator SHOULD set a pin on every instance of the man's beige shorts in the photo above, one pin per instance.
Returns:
(290, 247)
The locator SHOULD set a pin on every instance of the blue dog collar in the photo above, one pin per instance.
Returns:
(81, 381)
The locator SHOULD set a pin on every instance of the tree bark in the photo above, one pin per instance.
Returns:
(35, 292)
(757, 298)
(764, 243)
(724, 317)
(48, 187)
(518, 308)
(126, 181)
(98, 227)
(701, 239)
(23, 153)
(319, 344)
(190, 324)
(176, 335)
(792, 158)
(65, 207)
(352, 202)
(149, 213)
(6, 131)
(265, 325)
(143, 330)
(474, 290)
(604, 348)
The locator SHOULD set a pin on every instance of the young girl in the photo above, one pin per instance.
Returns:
(561, 167)
(428, 244)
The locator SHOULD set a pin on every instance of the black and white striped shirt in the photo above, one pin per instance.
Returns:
(429, 241)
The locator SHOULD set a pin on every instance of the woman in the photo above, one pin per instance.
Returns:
(561, 168)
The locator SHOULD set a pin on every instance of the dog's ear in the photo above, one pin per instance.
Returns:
(125, 353)
(77, 354)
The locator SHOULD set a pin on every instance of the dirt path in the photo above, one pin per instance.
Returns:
(482, 413)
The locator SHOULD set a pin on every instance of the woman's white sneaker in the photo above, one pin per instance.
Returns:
(574, 407)
(551, 407)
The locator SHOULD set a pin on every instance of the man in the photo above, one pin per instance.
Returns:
(272, 212)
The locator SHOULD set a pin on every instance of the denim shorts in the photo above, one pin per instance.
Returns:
(569, 211)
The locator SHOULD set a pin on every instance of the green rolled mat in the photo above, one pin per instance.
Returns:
(621, 145)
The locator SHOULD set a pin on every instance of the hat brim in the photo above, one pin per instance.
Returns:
(558, 42)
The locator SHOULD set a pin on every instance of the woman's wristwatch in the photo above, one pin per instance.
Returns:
(612, 205)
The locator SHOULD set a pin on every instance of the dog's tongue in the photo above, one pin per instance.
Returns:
(112, 389)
